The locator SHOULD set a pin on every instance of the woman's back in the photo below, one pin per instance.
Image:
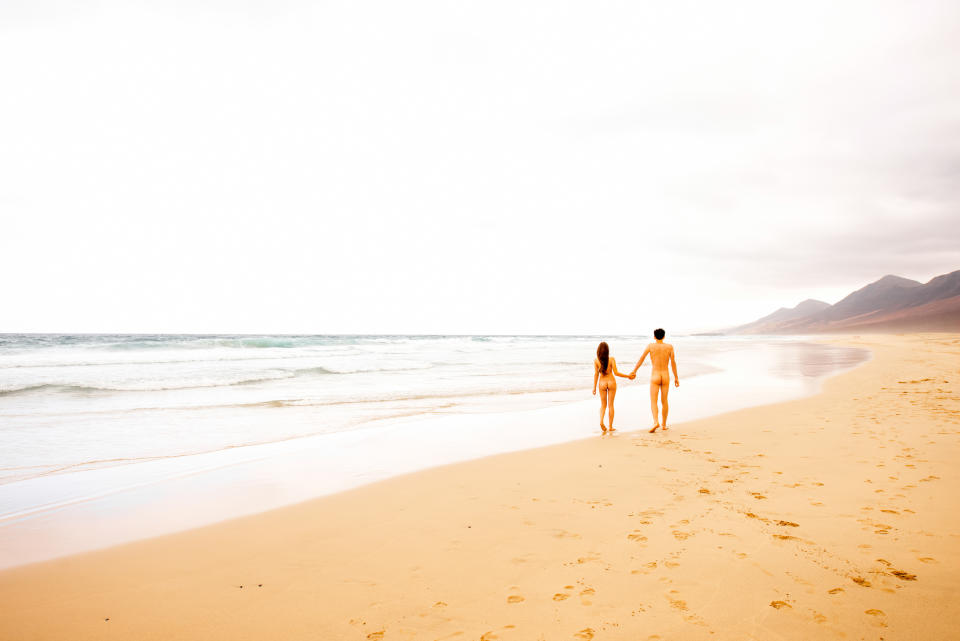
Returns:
(611, 363)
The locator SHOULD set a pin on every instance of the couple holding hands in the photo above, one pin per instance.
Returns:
(605, 370)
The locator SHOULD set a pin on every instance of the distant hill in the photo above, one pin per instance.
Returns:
(769, 323)
(889, 304)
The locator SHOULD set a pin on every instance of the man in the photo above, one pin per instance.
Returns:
(660, 354)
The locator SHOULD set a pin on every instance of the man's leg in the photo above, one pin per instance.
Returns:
(664, 390)
(654, 391)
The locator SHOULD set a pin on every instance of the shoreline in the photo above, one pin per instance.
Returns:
(123, 503)
(767, 522)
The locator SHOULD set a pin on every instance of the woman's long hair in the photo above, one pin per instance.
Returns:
(603, 354)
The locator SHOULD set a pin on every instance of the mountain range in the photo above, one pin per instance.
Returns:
(892, 303)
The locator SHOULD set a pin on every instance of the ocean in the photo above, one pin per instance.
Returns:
(102, 423)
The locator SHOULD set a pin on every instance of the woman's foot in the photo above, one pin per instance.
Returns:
(664, 428)
(603, 427)
(654, 428)
(612, 429)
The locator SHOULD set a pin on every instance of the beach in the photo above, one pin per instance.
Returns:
(830, 516)
(107, 439)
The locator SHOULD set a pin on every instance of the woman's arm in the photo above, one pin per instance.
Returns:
(642, 358)
(596, 375)
(613, 363)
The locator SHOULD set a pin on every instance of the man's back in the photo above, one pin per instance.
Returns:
(660, 356)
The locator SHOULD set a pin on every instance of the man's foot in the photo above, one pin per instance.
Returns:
(654, 428)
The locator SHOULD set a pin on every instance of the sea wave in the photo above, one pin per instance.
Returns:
(171, 361)
(159, 386)
(225, 380)
(384, 399)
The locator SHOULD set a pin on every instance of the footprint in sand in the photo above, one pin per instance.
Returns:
(376, 636)
(859, 580)
(586, 634)
(835, 591)
(927, 559)
(874, 612)
(560, 596)
(780, 604)
(681, 536)
(757, 495)
(675, 603)
(515, 598)
(904, 576)
(636, 536)
(788, 523)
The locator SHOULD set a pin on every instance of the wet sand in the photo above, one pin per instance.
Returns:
(828, 517)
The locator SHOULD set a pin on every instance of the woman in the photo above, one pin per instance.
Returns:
(604, 369)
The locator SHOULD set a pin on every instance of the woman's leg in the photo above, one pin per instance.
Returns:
(611, 394)
(603, 405)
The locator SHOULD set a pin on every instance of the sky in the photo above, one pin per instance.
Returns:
(292, 166)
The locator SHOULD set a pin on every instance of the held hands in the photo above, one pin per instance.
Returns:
(632, 375)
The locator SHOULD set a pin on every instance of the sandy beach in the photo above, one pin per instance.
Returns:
(828, 517)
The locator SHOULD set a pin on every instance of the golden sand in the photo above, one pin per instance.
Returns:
(825, 518)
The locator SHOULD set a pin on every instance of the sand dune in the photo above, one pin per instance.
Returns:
(830, 517)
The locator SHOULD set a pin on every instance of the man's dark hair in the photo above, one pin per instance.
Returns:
(659, 334)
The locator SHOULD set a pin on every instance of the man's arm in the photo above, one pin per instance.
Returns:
(642, 358)
(673, 364)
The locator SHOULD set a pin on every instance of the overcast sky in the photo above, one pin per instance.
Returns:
(468, 167)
